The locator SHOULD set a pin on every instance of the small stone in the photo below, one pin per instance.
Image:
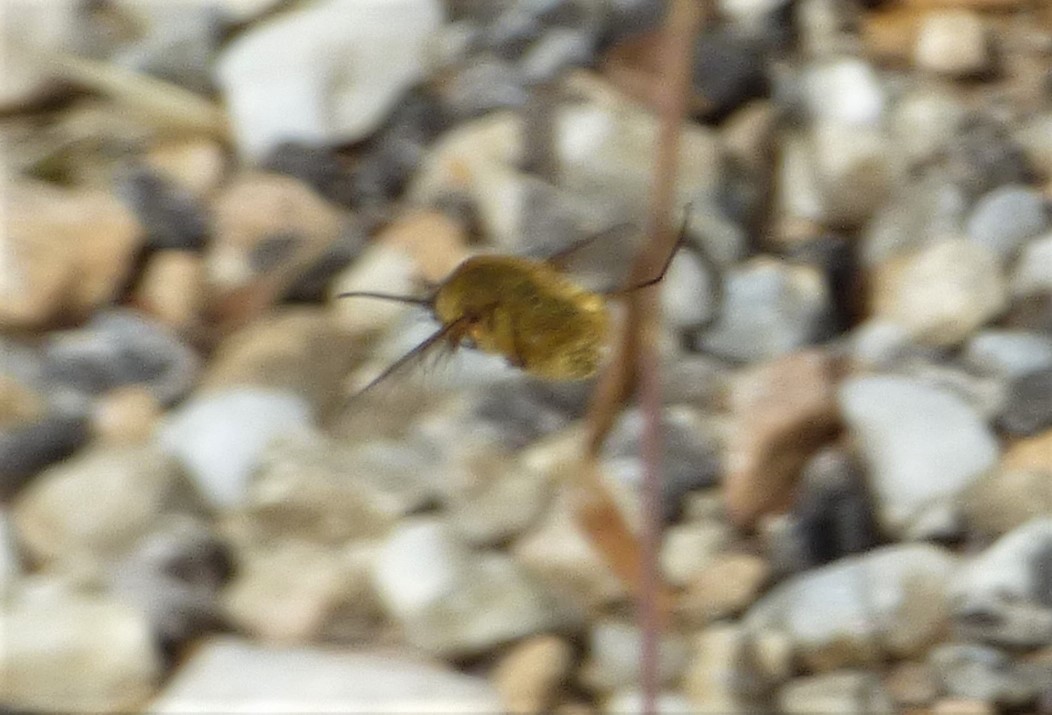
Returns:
(912, 684)
(451, 601)
(613, 657)
(1001, 595)
(320, 167)
(484, 84)
(1033, 271)
(769, 309)
(308, 487)
(436, 242)
(559, 554)
(978, 672)
(962, 706)
(853, 173)
(10, 558)
(170, 216)
(1028, 406)
(19, 403)
(172, 288)
(173, 576)
(686, 292)
(326, 74)
(101, 652)
(288, 593)
(227, 674)
(984, 155)
(688, 549)
(528, 676)
(301, 349)
(68, 252)
(890, 601)
(117, 348)
(1018, 491)
(925, 120)
(841, 692)
(219, 437)
(268, 230)
(783, 411)
(491, 497)
(1005, 218)
(125, 415)
(728, 585)
(748, 133)
(952, 43)
(846, 91)
(554, 52)
(381, 267)
(923, 447)
(99, 504)
(630, 701)
(943, 292)
(26, 449)
(196, 164)
(1008, 353)
(715, 676)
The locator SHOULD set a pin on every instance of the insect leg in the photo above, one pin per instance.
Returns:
(427, 302)
(447, 332)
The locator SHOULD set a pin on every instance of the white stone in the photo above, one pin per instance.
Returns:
(220, 436)
(227, 675)
(686, 292)
(1008, 353)
(688, 547)
(1033, 271)
(614, 652)
(453, 601)
(76, 654)
(845, 90)
(1005, 218)
(380, 268)
(944, 292)
(923, 447)
(952, 42)
(630, 702)
(890, 601)
(325, 74)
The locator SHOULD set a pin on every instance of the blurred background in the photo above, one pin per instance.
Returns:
(197, 513)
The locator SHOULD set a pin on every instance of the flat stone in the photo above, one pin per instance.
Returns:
(235, 676)
(101, 652)
(278, 77)
(890, 601)
(923, 446)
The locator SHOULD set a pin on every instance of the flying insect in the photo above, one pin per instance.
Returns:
(523, 309)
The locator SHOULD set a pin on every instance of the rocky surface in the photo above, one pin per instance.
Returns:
(198, 513)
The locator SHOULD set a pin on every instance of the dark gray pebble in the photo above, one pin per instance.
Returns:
(27, 449)
(1028, 409)
(171, 217)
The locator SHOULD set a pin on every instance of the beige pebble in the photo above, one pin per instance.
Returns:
(172, 288)
(126, 414)
(783, 411)
(962, 706)
(912, 684)
(952, 42)
(528, 676)
(726, 586)
(196, 164)
(18, 404)
(436, 242)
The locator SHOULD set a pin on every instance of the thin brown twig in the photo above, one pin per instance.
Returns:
(636, 358)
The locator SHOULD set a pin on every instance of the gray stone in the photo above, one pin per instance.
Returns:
(916, 214)
(1033, 270)
(27, 449)
(10, 558)
(95, 506)
(173, 576)
(841, 692)
(554, 52)
(77, 654)
(485, 84)
(923, 447)
(452, 601)
(219, 437)
(982, 673)
(1002, 595)
(178, 44)
(1008, 353)
(613, 657)
(769, 309)
(890, 601)
(1005, 218)
(324, 74)
(1028, 405)
(231, 675)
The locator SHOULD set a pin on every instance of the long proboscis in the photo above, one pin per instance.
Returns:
(386, 296)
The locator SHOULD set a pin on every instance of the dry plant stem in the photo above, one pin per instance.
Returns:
(636, 354)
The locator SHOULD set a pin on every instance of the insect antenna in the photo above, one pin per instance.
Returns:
(387, 296)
